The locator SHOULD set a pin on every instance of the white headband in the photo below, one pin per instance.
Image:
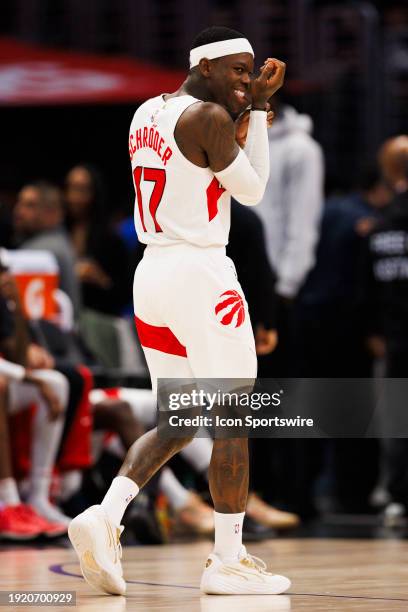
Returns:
(219, 49)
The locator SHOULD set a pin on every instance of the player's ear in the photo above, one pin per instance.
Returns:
(205, 67)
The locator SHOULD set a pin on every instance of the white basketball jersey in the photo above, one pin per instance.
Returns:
(176, 201)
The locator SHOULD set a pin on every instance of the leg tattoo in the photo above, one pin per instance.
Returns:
(229, 475)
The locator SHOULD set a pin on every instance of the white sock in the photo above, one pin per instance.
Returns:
(228, 535)
(173, 489)
(198, 454)
(46, 437)
(52, 513)
(8, 492)
(119, 495)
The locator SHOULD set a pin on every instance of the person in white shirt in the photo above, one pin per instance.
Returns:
(293, 201)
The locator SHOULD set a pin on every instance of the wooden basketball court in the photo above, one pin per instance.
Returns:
(366, 575)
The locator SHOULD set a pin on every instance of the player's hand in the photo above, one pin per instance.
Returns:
(266, 340)
(268, 82)
(242, 123)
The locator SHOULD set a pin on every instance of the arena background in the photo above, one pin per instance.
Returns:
(347, 68)
(72, 73)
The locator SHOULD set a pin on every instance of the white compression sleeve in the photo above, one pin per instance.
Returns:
(246, 177)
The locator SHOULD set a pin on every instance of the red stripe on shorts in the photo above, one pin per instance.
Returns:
(159, 338)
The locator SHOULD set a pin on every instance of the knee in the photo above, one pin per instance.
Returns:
(60, 385)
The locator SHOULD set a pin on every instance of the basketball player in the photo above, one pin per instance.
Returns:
(191, 316)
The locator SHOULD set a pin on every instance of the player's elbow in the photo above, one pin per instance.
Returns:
(251, 198)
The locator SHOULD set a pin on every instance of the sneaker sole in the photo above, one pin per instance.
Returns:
(97, 577)
(221, 586)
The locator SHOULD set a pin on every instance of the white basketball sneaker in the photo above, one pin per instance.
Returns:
(96, 542)
(246, 576)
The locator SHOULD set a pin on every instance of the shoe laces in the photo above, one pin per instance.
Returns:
(255, 563)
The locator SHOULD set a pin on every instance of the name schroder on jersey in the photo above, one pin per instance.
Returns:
(149, 138)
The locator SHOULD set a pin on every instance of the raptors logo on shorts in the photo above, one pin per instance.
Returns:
(230, 308)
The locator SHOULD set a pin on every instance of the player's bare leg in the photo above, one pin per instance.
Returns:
(96, 532)
(148, 454)
(229, 475)
(230, 569)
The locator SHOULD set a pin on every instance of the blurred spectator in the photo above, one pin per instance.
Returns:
(387, 296)
(330, 329)
(329, 321)
(293, 199)
(18, 521)
(68, 444)
(247, 249)
(38, 224)
(102, 268)
(30, 380)
(290, 210)
(102, 261)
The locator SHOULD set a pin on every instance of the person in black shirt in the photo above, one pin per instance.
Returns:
(247, 250)
(102, 261)
(386, 297)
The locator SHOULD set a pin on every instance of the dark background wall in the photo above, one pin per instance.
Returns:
(347, 67)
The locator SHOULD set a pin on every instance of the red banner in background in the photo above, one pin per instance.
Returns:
(36, 76)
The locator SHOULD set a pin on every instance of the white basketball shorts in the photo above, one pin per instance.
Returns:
(191, 314)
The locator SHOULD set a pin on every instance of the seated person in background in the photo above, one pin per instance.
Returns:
(18, 521)
(48, 390)
(102, 267)
(38, 225)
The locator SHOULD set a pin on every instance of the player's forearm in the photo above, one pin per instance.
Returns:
(246, 177)
(257, 145)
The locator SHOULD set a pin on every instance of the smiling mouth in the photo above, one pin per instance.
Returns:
(241, 95)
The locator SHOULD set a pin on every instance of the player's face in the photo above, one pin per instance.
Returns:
(26, 210)
(230, 81)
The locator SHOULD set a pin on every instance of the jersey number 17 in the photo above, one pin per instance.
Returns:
(158, 177)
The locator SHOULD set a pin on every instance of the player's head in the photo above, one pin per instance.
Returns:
(393, 159)
(223, 58)
(38, 207)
